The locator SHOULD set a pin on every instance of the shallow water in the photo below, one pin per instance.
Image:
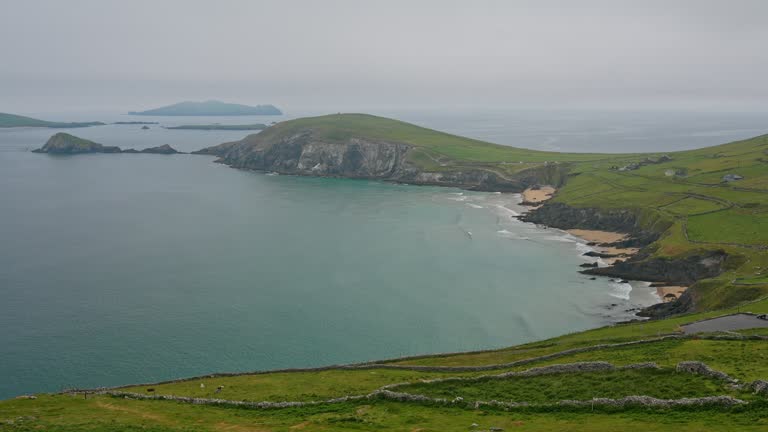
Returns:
(123, 268)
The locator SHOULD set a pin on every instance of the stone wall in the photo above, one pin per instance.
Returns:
(388, 393)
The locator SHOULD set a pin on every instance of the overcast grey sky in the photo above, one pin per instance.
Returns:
(340, 55)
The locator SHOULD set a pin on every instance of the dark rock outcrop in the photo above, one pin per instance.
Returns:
(64, 143)
(682, 271)
(661, 310)
(559, 215)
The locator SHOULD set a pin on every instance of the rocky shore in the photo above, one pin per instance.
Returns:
(640, 266)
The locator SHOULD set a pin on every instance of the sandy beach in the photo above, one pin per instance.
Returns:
(538, 195)
(594, 236)
(674, 290)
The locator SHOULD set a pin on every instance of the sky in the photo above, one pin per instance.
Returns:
(344, 54)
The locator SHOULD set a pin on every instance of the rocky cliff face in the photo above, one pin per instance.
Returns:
(682, 271)
(304, 154)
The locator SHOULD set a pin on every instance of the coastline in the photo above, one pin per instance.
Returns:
(603, 253)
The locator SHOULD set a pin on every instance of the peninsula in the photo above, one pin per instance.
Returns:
(209, 108)
(13, 120)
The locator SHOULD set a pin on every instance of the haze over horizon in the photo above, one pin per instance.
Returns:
(345, 55)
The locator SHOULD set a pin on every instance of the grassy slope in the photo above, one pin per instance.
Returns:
(697, 210)
(661, 383)
(12, 120)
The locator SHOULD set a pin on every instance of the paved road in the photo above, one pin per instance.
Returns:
(726, 323)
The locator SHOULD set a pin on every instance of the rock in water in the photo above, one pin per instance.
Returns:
(64, 143)
(163, 149)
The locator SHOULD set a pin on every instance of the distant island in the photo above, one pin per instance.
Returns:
(257, 126)
(66, 144)
(210, 108)
(13, 120)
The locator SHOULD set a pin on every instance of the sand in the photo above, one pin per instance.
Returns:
(605, 237)
(675, 290)
(597, 236)
(538, 195)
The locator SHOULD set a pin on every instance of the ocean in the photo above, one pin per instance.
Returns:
(122, 268)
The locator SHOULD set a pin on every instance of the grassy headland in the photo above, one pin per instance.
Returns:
(13, 120)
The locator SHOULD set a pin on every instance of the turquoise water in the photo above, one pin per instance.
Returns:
(132, 268)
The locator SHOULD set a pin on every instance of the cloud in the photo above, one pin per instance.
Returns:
(394, 52)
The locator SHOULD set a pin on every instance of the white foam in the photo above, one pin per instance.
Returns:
(560, 239)
(583, 248)
(507, 210)
(620, 290)
(474, 206)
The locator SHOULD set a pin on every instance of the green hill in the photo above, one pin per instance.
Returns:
(210, 108)
(679, 206)
(12, 120)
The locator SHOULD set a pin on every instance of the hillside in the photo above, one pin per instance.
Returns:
(12, 120)
(209, 108)
(698, 216)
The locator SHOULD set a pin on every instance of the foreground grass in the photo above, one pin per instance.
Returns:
(294, 386)
(65, 413)
(661, 383)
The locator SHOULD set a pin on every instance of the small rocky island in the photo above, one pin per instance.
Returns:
(163, 149)
(209, 108)
(245, 127)
(64, 143)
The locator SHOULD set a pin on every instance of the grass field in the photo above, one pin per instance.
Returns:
(106, 414)
(661, 383)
